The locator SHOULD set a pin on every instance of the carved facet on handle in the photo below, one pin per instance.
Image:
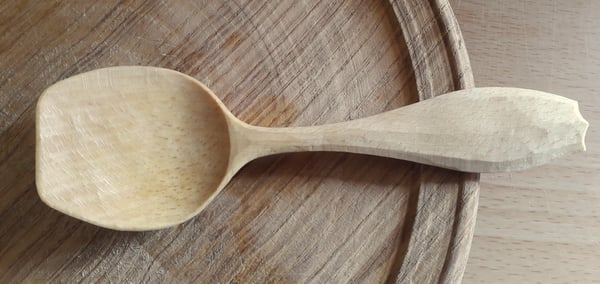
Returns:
(474, 130)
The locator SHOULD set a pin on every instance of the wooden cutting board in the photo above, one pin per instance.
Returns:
(306, 217)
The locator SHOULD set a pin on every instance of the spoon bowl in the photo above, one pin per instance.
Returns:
(142, 148)
(120, 146)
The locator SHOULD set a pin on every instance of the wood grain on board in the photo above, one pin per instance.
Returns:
(540, 225)
(309, 217)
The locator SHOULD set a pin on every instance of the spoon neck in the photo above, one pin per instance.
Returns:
(249, 142)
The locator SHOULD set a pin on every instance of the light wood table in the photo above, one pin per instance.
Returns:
(541, 225)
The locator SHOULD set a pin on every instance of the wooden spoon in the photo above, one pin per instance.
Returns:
(142, 148)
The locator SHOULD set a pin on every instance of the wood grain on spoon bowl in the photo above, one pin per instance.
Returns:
(141, 148)
(130, 148)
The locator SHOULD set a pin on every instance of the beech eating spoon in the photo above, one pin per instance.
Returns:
(142, 148)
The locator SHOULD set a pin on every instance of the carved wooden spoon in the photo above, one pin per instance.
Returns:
(142, 148)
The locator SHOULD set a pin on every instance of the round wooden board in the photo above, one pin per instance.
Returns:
(307, 217)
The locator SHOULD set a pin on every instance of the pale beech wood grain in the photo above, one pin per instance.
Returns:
(289, 218)
(169, 146)
(541, 225)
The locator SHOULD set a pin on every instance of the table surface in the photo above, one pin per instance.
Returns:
(540, 225)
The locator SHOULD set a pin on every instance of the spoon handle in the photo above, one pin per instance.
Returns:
(475, 130)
